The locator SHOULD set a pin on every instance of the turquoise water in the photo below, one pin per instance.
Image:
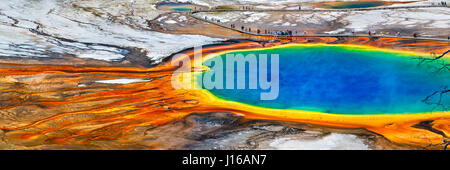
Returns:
(345, 5)
(343, 80)
(182, 9)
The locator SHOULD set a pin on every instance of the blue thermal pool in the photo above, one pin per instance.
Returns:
(340, 79)
(182, 9)
(356, 4)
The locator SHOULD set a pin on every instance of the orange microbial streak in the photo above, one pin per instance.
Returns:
(64, 112)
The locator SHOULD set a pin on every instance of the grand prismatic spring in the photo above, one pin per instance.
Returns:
(357, 4)
(99, 75)
(341, 79)
(392, 86)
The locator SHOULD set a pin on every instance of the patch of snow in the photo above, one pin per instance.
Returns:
(182, 18)
(223, 16)
(286, 24)
(334, 141)
(60, 19)
(256, 17)
(427, 17)
(170, 22)
(101, 55)
(122, 81)
(336, 31)
(161, 18)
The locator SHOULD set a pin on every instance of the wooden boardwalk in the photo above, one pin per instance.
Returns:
(228, 26)
(319, 10)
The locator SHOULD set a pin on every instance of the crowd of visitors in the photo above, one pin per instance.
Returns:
(443, 3)
(283, 32)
